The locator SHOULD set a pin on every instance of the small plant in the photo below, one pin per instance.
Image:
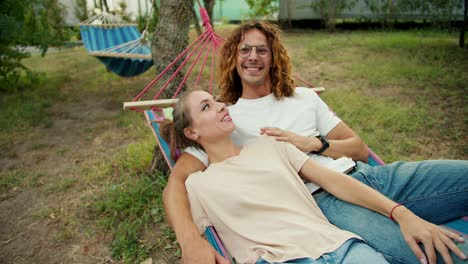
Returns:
(263, 8)
(330, 11)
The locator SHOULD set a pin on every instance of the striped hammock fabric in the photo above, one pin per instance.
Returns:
(121, 47)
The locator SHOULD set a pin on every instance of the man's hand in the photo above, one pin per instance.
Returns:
(199, 251)
(306, 144)
(434, 238)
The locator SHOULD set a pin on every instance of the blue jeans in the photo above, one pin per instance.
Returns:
(353, 251)
(437, 191)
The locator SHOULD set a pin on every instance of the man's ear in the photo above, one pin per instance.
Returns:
(191, 134)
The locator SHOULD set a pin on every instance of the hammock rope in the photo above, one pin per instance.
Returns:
(105, 20)
(296, 76)
(138, 49)
(208, 43)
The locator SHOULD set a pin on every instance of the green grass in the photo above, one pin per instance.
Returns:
(401, 91)
(12, 179)
(27, 107)
(404, 93)
(62, 185)
(132, 205)
(17, 179)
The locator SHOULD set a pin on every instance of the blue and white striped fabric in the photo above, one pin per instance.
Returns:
(126, 67)
(97, 38)
(152, 119)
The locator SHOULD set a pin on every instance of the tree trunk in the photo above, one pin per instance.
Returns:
(171, 38)
(209, 5)
(158, 163)
(196, 22)
(289, 6)
(104, 5)
(139, 9)
(461, 43)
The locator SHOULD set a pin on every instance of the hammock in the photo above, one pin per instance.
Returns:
(119, 46)
(459, 226)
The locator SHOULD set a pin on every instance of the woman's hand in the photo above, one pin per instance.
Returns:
(199, 251)
(416, 230)
(306, 144)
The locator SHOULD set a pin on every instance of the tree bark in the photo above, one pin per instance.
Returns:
(209, 5)
(196, 22)
(170, 39)
(289, 5)
(104, 5)
(158, 163)
(139, 9)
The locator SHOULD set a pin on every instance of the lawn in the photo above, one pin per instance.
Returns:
(65, 138)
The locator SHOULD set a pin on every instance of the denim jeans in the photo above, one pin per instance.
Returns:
(353, 251)
(437, 191)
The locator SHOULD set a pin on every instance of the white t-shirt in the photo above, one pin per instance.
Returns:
(303, 113)
(260, 207)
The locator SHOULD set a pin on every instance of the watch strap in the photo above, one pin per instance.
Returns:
(325, 145)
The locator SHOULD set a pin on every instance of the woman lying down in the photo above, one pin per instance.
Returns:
(256, 199)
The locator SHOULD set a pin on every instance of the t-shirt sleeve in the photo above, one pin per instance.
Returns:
(296, 158)
(199, 154)
(326, 119)
(199, 215)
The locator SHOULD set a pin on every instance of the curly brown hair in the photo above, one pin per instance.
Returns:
(280, 72)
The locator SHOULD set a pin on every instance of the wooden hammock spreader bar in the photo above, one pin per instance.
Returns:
(318, 89)
(110, 25)
(163, 103)
(120, 55)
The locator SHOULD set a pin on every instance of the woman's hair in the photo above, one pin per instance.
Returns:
(280, 71)
(173, 130)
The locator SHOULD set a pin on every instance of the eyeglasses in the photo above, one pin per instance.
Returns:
(245, 49)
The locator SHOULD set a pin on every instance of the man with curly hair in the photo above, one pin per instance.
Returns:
(255, 77)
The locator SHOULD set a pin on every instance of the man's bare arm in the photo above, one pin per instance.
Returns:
(343, 142)
(194, 248)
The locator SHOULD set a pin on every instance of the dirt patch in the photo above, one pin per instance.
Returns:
(43, 220)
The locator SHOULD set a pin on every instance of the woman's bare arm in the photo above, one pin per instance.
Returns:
(414, 229)
(194, 248)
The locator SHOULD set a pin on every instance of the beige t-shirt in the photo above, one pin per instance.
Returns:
(260, 206)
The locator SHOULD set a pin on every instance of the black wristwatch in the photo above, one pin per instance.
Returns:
(325, 145)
